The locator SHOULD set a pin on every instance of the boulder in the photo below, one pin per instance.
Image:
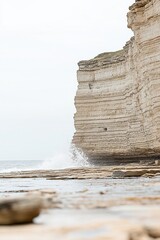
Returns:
(19, 210)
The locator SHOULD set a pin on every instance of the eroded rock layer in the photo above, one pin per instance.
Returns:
(118, 96)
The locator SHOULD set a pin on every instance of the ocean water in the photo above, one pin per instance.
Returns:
(19, 165)
(58, 161)
(116, 188)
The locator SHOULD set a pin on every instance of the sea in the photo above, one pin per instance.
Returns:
(20, 165)
(58, 161)
(130, 187)
(14, 186)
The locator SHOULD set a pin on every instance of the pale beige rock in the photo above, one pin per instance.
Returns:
(157, 162)
(135, 173)
(19, 210)
(100, 172)
(118, 96)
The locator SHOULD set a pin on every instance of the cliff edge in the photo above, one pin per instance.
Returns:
(118, 96)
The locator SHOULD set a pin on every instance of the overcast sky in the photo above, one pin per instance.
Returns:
(41, 42)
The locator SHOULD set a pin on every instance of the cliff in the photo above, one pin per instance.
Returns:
(118, 96)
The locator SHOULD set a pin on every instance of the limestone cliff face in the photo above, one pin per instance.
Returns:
(118, 96)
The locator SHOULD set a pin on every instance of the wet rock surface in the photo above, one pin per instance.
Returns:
(88, 203)
(100, 172)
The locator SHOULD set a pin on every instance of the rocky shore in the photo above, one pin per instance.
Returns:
(100, 172)
(86, 203)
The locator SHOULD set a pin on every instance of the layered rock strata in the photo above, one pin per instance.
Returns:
(118, 96)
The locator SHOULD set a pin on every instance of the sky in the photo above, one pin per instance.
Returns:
(41, 42)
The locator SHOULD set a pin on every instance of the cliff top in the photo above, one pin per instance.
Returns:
(138, 4)
(105, 59)
(102, 60)
(109, 55)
